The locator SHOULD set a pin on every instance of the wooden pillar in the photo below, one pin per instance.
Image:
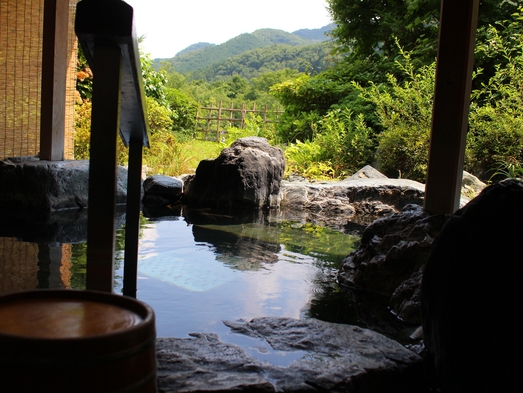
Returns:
(132, 218)
(451, 105)
(105, 123)
(55, 59)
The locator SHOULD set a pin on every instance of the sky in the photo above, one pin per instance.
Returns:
(172, 25)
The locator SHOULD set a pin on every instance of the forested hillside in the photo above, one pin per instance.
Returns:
(310, 59)
(201, 60)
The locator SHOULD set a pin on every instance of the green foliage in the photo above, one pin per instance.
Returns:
(82, 135)
(183, 112)
(166, 156)
(297, 126)
(154, 82)
(404, 113)
(306, 159)
(253, 126)
(512, 169)
(306, 99)
(345, 140)
(84, 77)
(369, 27)
(310, 59)
(496, 123)
(341, 145)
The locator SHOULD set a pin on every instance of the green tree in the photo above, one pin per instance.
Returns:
(368, 28)
(154, 82)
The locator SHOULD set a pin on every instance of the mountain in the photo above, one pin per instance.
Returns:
(204, 56)
(251, 64)
(315, 34)
(193, 47)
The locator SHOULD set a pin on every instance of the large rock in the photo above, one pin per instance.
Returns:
(327, 357)
(472, 294)
(39, 186)
(367, 172)
(246, 174)
(162, 190)
(353, 199)
(391, 258)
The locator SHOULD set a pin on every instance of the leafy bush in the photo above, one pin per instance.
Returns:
(306, 99)
(404, 112)
(82, 135)
(159, 116)
(183, 112)
(159, 123)
(341, 146)
(166, 156)
(345, 140)
(306, 159)
(495, 137)
(253, 126)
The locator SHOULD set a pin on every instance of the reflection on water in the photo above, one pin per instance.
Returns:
(197, 275)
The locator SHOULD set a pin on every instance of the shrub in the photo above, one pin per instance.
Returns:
(341, 145)
(159, 116)
(82, 135)
(404, 111)
(495, 139)
(183, 112)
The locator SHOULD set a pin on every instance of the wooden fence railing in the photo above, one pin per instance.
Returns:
(212, 119)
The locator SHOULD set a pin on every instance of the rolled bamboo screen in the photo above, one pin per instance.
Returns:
(21, 29)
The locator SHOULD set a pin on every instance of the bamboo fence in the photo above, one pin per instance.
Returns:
(213, 121)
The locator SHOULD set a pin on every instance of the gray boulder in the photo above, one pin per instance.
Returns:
(327, 357)
(336, 203)
(367, 172)
(162, 190)
(43, 186)
(391, 258)
(247, 174)
(471, 185)
(472, 294)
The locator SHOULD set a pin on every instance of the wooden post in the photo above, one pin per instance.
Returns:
(208, 126)
(105, 124)
(244, 112)
(218, 122)
(196, 118)
(451, 105)
(54, 77)
(231, 110)
(132, 218)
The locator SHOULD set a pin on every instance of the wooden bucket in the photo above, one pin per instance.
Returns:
(76, 341)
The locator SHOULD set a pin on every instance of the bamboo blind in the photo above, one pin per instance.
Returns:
(21, 28)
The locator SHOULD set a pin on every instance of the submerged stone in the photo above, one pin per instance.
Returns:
(331, 357)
